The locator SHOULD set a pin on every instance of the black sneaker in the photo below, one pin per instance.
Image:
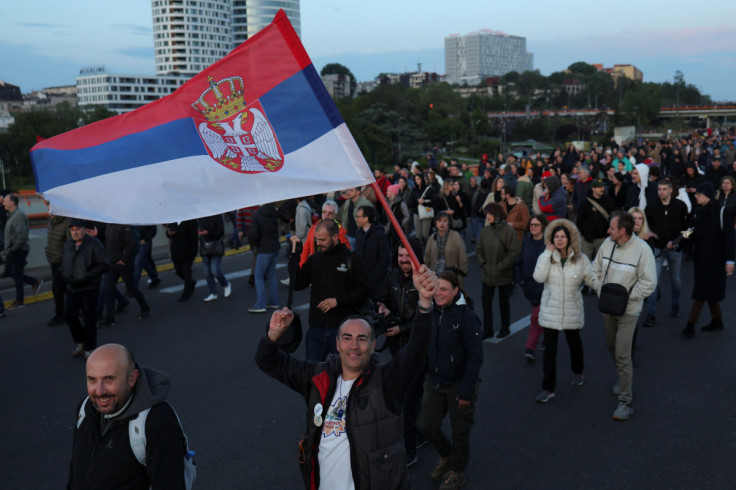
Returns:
(154, 282)
(122, 306)
(144, 313)
(503, 333)
(650, 320)
(688, 332)
(675, 311)
(57, 320)
(529, 356)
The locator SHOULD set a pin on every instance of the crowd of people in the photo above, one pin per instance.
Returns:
(605, 222)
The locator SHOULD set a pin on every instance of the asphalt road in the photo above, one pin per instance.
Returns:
(245, 426)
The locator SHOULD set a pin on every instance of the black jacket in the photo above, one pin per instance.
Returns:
(455, 350)
(373, 247)
(591, 222)
(214, 225)
(121, 243)
(147, 232)
(374, 419)
(263, 233)
(337, 273)
(401, 297)
(101, 455)
(183, 243)
(714, 245)
(666, 221)
(82, 268)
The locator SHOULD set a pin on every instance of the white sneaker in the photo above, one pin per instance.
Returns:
(228, 289)
(209, 298)
(285, 282)
(79, 350)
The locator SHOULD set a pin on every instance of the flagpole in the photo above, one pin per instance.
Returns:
(395, 224)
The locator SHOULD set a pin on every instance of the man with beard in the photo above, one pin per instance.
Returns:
(119, 391)
(340, 285)
(399, 297)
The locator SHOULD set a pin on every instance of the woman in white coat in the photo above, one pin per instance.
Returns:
(562, 269)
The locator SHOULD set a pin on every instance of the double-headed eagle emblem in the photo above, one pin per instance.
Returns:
(238, 137)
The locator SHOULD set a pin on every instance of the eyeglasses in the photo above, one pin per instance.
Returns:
(535, 224)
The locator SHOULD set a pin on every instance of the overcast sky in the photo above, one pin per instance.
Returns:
(45, 42)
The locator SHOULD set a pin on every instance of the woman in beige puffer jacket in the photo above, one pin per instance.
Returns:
(562, 269)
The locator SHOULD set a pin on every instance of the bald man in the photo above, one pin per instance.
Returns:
(118, 390)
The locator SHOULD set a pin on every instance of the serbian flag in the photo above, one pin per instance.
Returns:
(257, 126)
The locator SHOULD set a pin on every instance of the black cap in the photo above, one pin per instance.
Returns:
(707, 189)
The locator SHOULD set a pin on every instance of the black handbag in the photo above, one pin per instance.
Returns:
(613, 297)
(210, 249)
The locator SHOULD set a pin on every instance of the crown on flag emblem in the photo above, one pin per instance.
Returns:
(222, 99)
(237, 135)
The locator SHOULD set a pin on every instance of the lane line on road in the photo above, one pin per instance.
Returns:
(202, 283)
(517, 326)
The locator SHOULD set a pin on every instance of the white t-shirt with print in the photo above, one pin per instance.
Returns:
(335, 471)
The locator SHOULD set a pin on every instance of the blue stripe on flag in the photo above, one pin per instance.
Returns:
(300, 110)
(175, 139)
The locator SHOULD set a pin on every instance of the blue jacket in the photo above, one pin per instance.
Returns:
(526, 261)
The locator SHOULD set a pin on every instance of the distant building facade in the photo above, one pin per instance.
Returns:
(337, 85)
(629, 71)
(475, 56)
(123, 93)
(188, 36)
(11, 98)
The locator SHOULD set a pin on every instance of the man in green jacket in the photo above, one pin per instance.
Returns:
(16, 249)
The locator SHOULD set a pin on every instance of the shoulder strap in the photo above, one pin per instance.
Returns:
(610, 259)
(137, 435)
(721, 220)
(82, 412)
(599, 208)
(505, 249)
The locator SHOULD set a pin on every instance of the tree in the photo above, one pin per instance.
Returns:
(16, 143)
(338, 69)
(582, 68)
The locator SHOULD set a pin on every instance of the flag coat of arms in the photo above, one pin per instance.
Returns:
(257, 126)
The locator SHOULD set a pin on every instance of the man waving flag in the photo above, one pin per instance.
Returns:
(257, 126)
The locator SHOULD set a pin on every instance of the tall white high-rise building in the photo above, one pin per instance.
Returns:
(190, 35)
(250, 16)
(485, 53)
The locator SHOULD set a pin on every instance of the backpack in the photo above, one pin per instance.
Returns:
(137, 436)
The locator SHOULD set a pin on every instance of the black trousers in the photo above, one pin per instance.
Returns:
(86, 303)
(550, 355)
(58, 288)
(504, 293)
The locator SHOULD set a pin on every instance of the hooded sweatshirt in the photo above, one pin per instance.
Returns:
(101, 454)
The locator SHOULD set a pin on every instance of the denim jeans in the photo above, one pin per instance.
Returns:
(143, 262)
(109, 282)
(319, 342)
(266, 272)
(213, 271)
(674, 259)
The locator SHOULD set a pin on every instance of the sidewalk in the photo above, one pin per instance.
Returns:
(38, 267)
